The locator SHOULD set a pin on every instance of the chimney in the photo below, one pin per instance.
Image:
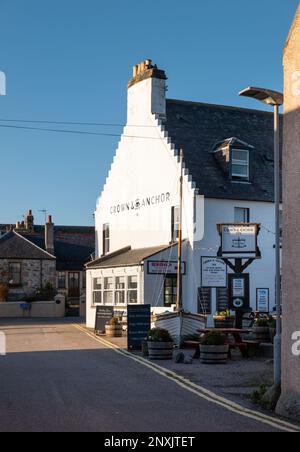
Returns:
(49, 236)
(29, 221)
(146, 93)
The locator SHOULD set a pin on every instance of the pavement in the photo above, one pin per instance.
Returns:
(56, 377)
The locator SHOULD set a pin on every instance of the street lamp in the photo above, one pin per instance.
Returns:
(275, 99)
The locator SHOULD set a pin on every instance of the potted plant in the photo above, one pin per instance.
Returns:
(160, 344)
(261, 330)
(4, 290)
(214, 348)
(113, 328)
(224, 319)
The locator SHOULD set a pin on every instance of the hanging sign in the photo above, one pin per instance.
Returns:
(263, 300)
(213, 273)
(239, 240)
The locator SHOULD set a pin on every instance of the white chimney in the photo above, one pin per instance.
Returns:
(49, 236)
(146, 93)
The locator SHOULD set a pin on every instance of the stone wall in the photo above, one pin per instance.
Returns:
(34, 274)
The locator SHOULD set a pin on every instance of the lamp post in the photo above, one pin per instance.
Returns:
(275, 99)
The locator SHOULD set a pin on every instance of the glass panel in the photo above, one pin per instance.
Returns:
(120, 297)
(97, 297)
(61, 280)
(241, 215)
(132, 282)
(108, 283)
(108, 297)
(132, 296)
(97, 283)
(239, 170)
(120, 283)
(240, 156)
(15, 273)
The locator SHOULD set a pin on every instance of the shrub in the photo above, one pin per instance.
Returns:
(114, 321)
(159, 335)
(44, 293)
(262, 323)
(214, 338)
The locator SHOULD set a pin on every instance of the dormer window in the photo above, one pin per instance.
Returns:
(240, 168)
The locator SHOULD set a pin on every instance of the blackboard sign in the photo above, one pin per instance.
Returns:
(103, 316)
(139, 324)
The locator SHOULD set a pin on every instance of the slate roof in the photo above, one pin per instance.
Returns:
(127, 257)
(197, 127)
(73, 245)
(14, 246)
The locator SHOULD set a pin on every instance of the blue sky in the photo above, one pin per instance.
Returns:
(70, 60)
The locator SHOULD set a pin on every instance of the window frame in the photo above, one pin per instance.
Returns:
(175, 211)
(132, 289)
(94, 279)
(59, 278)
(173, 287)
(235, 176)
(106, 239)
(246, 210)
(19, 283)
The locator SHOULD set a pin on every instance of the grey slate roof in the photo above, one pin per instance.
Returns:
(197, 127)
(14, 246)
(126, 257)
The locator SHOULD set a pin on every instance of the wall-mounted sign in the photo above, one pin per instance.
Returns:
(164, 268)
(140, 203)
(139, 324)
(213, 272)
(263, 300)
(239, 239)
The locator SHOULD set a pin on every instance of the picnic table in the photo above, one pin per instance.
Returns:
(238, 341)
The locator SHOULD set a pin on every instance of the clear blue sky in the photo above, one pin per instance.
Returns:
(70, 60)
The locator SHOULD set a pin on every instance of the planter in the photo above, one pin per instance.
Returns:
(214, 354)
(261, 333)
(113, 330)
(224, 322)
(160, 350)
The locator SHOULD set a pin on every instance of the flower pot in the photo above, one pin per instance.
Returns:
(113, 330)
(261, 333)
(160, 350)
(224, 322)
(214, 354)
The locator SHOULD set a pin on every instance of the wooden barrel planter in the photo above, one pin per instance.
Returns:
(113, 330)
(160, 350)
(261, 334)
(214, 354)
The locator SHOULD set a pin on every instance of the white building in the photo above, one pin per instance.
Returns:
(228, 160)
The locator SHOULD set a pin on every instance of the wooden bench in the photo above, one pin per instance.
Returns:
(244, 346)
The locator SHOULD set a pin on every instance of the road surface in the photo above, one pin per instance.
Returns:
(55, 378)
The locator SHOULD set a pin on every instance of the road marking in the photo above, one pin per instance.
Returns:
(198, 390)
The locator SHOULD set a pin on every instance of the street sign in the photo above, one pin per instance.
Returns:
(138, 325)
(213, 273)
(239, 240)
(103, 315)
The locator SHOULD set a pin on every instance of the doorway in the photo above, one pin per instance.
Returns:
(74, 285)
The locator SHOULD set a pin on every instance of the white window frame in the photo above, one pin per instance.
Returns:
(105, 291)
(132, 290)
(124, 291)
(246, 211)
(97, 290)
(237, 162)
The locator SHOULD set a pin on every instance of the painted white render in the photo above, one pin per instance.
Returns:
(136, 202)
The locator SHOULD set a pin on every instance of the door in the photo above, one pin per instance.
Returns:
(74, 285)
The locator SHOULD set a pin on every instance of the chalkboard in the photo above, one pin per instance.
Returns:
(103, 316)
(139, 324)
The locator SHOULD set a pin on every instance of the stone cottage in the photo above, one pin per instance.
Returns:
(24, 267)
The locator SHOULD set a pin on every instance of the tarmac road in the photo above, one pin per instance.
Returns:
(56, 378)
